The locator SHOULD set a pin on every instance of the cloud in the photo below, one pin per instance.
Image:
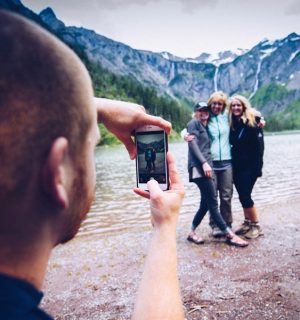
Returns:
(91, 5)
(293, 8)
(188, 5)
(98, 6)
(191, 6)
(116, 4)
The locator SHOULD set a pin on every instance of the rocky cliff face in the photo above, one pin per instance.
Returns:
(244, 72)
(233, 72)
(265, 63)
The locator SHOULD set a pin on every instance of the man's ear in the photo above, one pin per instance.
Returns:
(54, 176)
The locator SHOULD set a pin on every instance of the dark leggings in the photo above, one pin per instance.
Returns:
(244, 183)
(208, 202)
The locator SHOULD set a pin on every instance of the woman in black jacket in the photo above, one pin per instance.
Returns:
(201, 173)
(246, 139)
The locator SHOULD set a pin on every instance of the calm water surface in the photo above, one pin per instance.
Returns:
(117, 208)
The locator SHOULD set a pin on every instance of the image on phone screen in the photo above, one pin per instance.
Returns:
(151, 156)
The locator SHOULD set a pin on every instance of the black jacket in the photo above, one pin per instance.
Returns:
(19, 300)
(247, 148)
(199, 148)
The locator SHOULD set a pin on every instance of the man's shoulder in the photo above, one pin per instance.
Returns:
(20, 300)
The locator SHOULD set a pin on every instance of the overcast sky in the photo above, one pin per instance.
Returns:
(185, 28)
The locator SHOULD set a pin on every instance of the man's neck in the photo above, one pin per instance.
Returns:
(28, 264)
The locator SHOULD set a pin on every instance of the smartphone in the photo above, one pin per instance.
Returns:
(151, 161)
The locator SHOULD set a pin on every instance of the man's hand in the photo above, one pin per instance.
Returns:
(165, 205)
(122, 118)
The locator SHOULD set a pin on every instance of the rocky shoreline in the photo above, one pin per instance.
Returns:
(96, 277)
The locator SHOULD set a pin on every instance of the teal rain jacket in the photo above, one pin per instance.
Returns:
(218, 129)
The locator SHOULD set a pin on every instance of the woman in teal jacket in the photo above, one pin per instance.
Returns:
(218, 129)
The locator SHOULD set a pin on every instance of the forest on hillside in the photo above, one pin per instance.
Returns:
(286, 119)
(109, 85)
(178, 112)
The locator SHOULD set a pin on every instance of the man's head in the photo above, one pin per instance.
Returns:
(47, 131)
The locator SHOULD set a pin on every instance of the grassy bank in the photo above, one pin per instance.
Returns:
(284, 132)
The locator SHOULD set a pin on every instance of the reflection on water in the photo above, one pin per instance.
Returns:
(117, 208)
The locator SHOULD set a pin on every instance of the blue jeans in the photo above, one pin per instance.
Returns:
(208, 202)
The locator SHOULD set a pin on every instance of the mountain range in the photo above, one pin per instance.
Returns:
(269, 62)
(269, 73)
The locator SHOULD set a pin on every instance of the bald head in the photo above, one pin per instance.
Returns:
(44, 94)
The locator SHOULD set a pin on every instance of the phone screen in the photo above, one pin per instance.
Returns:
(151, 157)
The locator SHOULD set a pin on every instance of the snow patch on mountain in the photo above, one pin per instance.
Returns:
(293, 55)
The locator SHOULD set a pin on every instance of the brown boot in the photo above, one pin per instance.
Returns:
(244, 228)
(254, 232)
(254, 228)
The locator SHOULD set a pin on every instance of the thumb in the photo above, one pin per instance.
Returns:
(153, 188)
(130, 146)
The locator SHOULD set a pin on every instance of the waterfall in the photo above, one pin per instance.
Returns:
(171, 72)
(256, 78)
(216, 79)
(266, 53)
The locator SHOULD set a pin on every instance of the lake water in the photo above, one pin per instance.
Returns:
(117, 208)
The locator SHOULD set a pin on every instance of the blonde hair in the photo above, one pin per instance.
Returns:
(248, 116)
(218, 96)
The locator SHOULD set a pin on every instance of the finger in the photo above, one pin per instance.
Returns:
(130, 146)
(153, 188)
(141, 107)
(156, 121)
(141, 193)
(174, 175)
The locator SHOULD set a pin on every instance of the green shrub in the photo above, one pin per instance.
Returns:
(289, 119)
(271, 92)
